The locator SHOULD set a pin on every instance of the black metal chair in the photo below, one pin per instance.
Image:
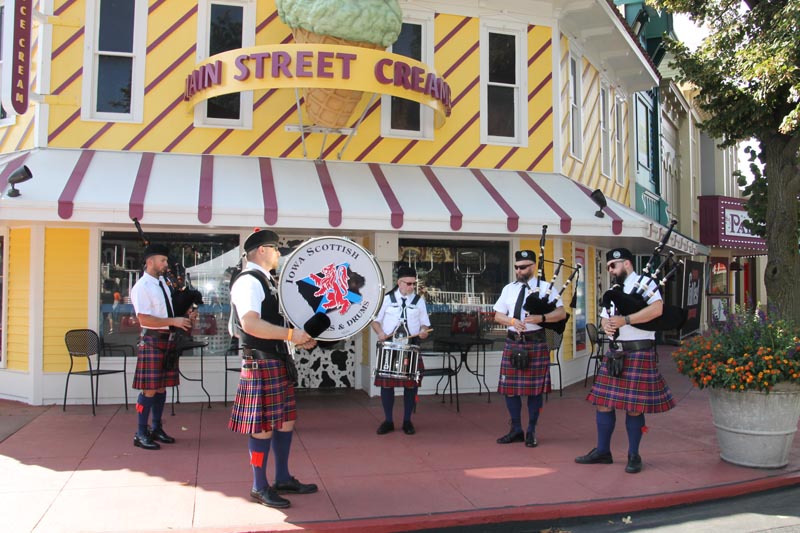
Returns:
(83, 344)
(554, 345)
(233, 349)
(448, 369)
(596, 353)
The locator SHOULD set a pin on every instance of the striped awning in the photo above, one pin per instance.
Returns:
(185, 191)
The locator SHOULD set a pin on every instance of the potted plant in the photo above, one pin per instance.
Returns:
(751, 365)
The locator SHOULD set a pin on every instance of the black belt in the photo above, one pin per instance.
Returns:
(260, 355)
(637, 346)
(158, 333)
(529, 336)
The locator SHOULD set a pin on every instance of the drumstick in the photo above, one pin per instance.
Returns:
(417, 334)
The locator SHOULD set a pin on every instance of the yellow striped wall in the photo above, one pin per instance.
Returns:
(171, 41)
(588, 169)
(66, 290)
(19, 280)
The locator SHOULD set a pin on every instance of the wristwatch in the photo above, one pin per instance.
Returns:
(627, 320)
(544, 319)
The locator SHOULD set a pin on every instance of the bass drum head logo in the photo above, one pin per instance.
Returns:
(335, 276)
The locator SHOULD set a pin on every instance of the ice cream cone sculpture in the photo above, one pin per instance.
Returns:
(372, 24)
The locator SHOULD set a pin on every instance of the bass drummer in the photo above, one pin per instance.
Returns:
(402, 317)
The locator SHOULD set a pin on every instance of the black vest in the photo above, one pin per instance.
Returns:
(270, 312)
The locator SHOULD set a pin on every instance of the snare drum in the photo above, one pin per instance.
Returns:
(397, 361)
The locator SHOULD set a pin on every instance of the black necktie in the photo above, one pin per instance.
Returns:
(170, 314)
(520, 299)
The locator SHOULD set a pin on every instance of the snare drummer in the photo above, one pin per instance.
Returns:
(403, 314)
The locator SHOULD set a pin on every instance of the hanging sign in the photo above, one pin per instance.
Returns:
(16, 56)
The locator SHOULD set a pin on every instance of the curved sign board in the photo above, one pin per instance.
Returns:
(291, 66)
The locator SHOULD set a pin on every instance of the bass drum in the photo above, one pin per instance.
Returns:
(335, 276)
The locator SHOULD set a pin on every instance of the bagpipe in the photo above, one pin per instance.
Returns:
(650, 282)
(185, 297)
(540, 302)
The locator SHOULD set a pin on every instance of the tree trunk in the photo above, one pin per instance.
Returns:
(782, 275)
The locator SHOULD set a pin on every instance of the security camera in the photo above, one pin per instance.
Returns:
(23, 173)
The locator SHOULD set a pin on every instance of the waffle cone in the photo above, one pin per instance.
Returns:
(330, 108)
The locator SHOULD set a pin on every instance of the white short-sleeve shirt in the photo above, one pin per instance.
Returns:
(508, 299)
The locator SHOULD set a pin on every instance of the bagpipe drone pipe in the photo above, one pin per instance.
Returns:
(649, 283)
(540, 302)
(184, 296)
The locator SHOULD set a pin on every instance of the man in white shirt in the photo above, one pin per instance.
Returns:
(152, 302)
(402, 311)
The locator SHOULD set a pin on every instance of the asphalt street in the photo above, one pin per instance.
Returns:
(770, 511)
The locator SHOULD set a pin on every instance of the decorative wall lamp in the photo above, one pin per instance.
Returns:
(599, 198)
(23, 173)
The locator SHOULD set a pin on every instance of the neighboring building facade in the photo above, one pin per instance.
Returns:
(542, 100)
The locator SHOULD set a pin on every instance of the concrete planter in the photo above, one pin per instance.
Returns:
(754, 428)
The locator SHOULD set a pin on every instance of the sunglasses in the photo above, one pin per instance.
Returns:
(273, 246)
(614, 264)
(522, 267)
(409, 283)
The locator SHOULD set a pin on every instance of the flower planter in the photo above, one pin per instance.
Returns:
(754, 428)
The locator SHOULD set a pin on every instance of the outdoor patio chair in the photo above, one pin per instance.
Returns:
(596, 353)
(83, 344)
(554, 345)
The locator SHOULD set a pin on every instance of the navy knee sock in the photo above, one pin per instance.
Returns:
(634, 425)
(158, 408)
(605, 428)
(259, 451)
(143, 406)
(514, 406)
(281, 444)
(534, 406)
(409, 400)
(387, 400)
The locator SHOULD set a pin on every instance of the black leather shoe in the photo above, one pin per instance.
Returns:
(594, 457)
(512, 436)
(530, 440)
(159, 435)
(634, 465)
(294, 487)
(269, 498)
(408, 428)
(145, 442)
(385, 428)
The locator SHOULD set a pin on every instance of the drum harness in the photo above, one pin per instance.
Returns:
(270, 349)
(403, 315)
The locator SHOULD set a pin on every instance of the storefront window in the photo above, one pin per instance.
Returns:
(207, 261)
(461, 281)
(718, 280)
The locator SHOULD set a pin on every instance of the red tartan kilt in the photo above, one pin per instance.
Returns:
(640, 389)
(398, 382)
(264, 400)
(531, 381)
(150, 374)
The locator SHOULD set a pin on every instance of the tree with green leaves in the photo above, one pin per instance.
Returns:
(747, 72)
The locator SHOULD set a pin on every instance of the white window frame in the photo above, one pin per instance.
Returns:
(90, 65)
(605, 130)
(245, 120)
(575, 74)
(520, 34)
(425, 20)
(619, 144)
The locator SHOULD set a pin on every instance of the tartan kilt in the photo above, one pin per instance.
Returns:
(264, 399)
(531, 381)
(640, 389)
(150, 373)
(397, 382)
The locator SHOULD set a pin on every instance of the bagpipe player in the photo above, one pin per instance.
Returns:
(639, 388)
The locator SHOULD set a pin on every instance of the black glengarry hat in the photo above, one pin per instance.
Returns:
(619, 253)
(524, 255)
(260, 237)
(406, 272)
(155, 249)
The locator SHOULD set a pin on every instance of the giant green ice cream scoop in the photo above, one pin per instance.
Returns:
(371, 21)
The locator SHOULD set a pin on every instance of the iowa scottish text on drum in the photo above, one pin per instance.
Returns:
(335, 276)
